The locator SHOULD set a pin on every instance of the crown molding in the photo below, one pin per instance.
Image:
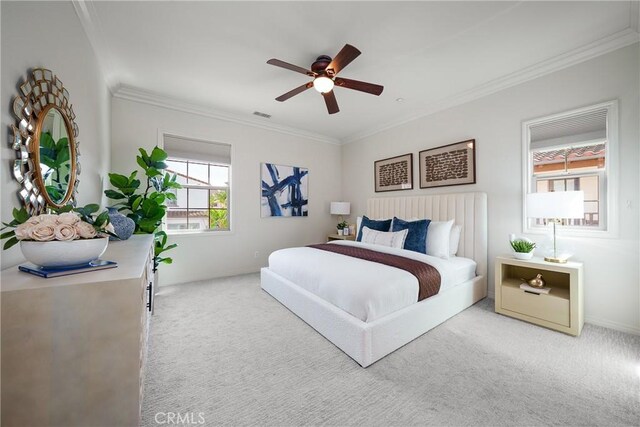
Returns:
(146, 97)
(600, 47)
(90, 23)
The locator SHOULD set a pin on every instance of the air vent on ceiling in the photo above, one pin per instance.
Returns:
(265, 115)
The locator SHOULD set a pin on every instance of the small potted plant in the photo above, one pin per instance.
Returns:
(341, 228)
(523, 249)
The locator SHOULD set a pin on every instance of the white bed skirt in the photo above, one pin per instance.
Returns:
(365, 342)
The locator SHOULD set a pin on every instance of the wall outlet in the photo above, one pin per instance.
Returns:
(255, 254)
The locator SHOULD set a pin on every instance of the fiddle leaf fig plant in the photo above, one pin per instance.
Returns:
(145, 204)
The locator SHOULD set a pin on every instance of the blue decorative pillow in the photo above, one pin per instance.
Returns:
(381, 225)
(416, 237)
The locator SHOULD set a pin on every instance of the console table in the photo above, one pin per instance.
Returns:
(74, 347)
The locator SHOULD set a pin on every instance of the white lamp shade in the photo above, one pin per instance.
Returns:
(556, 205)
(340, 208)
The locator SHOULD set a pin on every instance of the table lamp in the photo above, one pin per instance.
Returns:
(556, 206)
(340, 208)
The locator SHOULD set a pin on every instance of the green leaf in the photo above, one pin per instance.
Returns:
(114, 194)
(20, 215)
(66, 208)
(7, 234)
(144, 155)
(91, 208)
(160, 198)
(141, 163)
(136, 203)
(102, 219)
(160, 165)
(118, 180)
(171, 196)
(133, 176)
(148, 225)
(9, 243)
(160, 249)
(128, 190)
(152, 172)
(158, 155)
(161, 238)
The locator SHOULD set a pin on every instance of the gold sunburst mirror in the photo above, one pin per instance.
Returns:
(46, 144)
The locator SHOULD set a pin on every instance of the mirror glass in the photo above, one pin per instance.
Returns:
(55, 155)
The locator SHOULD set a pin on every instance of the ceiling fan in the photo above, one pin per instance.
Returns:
(324, 71)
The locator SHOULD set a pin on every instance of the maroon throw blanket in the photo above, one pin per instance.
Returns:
(428, 277)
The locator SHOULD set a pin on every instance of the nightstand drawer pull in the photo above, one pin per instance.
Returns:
(532, 293)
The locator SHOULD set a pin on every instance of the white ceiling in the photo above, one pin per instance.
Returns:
(213, 54)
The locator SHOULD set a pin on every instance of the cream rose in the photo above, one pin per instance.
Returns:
(48, 218)
(43, 232)
(68, 218)
(64, 232)
(23, 231)
(33, 220)
(85, 230)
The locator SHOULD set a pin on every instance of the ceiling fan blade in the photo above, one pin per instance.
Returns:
(361, 86)
(294, 92)
(291, 67)
(332, 103)
(342, 59)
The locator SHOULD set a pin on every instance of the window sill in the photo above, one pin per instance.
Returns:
(598, 234)
(199, 233)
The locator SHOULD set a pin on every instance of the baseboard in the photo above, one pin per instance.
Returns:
(612, 325)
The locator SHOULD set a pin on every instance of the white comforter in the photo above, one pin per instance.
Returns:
(366, 290)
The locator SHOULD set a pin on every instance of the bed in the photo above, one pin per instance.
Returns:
(369, 330)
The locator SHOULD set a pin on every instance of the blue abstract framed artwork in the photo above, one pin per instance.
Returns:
(285, 190)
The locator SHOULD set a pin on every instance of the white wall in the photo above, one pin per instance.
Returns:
(49, 35)
(207, 255)
(611, 265)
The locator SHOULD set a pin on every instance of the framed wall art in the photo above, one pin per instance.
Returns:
(285, 190)
(395, 173)
(453, 164)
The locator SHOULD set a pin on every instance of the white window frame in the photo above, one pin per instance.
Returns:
(230, 199)
(609, 189)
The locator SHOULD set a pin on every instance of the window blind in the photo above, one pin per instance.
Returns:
(578, 130)
(191, 149)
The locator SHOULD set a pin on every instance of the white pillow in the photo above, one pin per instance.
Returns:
(439, 238)
(454, 240)
(384, 238)
(359, 220)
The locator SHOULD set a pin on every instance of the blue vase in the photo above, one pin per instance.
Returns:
(123, 225)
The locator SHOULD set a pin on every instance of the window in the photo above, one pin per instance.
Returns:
(570, 152)
(203, 170)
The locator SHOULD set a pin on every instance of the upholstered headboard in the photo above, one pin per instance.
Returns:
(468, 209)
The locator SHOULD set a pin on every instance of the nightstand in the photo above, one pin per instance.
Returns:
(561, 309)
(331, 237)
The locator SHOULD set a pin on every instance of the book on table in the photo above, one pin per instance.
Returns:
(48, 272)
(525, 287)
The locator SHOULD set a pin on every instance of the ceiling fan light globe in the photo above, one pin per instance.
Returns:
(323, 84)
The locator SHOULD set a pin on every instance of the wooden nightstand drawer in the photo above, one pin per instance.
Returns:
(549, 307)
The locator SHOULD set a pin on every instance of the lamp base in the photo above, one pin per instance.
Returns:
(556, 260)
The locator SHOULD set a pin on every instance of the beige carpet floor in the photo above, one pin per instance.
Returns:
(225, 352)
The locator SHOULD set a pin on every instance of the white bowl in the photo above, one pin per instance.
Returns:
(523, 255)
(64, 254)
